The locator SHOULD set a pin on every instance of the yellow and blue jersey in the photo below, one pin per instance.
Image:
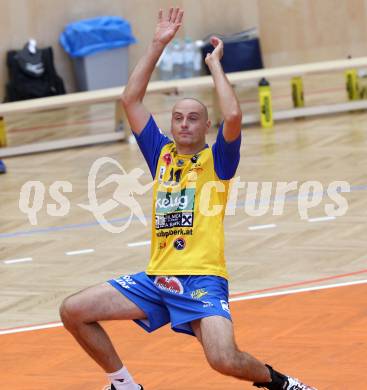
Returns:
(189, 200)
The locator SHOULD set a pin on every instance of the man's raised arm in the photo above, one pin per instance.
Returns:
(132, 97)
(228, 101)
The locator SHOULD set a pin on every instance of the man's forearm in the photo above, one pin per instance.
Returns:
(138, 81)
(228, 102)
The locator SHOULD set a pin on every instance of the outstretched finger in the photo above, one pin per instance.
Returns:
(169, 16)
(174, 15)
(160, 15)
(179, 17)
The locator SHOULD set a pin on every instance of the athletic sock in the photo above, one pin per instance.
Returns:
(278, 380)
(122, 380)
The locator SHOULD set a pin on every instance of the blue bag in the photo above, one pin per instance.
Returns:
(90, 36)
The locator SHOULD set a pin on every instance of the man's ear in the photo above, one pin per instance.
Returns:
(208, 126)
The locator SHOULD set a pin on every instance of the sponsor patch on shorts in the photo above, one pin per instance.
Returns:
(169, 283)
(225, 305)
(125, 281)
(197, 294)
(207, 304)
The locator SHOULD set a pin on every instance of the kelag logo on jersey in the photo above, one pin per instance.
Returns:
(169, 202)
(175, 209)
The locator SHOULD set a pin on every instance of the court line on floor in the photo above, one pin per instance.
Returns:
(31, 327)
(79, 252)
(231, 299)
(76, 226)
(140, 243)
(296, 284)
(321, 219)
(15, 261)
(259, 227)
(299, 290)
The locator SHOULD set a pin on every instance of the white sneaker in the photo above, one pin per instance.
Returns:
(283, 382)
(112, 387)
(295, 384)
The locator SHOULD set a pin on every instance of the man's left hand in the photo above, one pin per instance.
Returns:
(217, 53)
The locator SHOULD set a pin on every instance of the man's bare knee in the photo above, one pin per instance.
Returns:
(71, 312)
(98, 303)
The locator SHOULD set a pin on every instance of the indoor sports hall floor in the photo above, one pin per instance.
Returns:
(299, 286)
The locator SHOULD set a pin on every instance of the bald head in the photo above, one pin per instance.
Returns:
(195, 104)
(189, 125)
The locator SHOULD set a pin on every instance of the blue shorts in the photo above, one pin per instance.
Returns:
(175, 299)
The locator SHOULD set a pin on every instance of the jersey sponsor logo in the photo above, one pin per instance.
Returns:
(162, 245)
(169, 202)
(207, 304)
(169, 283)
(175, 209)
(162, 171)
(225, 305)
(196, 168)
(175, 232)
(167, 158)
(187, 219)
(194, 159)
(179, 244)
(199, 293)
(125, 281)
(173, 220)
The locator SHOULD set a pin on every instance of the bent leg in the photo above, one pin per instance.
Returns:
(217, 338)
(81, 312)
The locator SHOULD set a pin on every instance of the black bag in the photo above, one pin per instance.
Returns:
(32, 75)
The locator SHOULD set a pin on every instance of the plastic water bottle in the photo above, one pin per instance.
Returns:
(266, 108)
(177, 60)
(189, 55)
(198, 59)
(165, 64)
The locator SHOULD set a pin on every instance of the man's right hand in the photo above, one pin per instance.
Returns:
(168, 26)
(134, 92)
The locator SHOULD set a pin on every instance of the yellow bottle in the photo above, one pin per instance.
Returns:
(3, 140)
(297, 92)
(362, 83)
(351, 79)
(266, 109)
